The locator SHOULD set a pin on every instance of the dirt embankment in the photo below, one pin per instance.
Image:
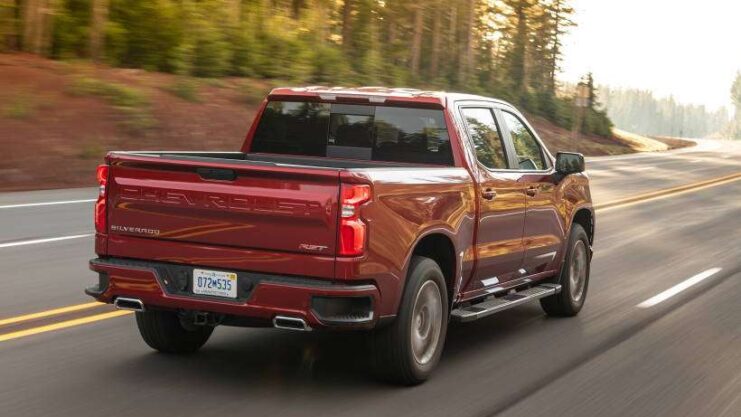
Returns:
(58, 119)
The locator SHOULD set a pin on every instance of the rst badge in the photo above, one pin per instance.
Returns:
(313, 248)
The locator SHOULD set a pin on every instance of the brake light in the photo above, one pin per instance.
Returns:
(101, 222)
(352, 228)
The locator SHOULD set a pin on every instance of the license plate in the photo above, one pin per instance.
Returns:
(216, 283)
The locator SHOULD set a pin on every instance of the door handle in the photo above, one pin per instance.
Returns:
(488, 194)
(531, 191)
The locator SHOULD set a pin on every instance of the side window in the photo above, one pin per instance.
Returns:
(485, 137)
(530, 155)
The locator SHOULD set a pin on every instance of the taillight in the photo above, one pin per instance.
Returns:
(352, 228)
(101, 222)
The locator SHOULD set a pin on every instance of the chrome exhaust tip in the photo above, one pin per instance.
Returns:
(131, 304)
(290, 323)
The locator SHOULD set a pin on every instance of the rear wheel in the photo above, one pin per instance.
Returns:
(574, 277)
(407, 350)
(164, 331)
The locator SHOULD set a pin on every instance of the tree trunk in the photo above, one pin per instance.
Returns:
(8, 24)
(416, 49)
(347, 24)
(452, 46)
(437, 24)
(234, 12)
(322, 29)
(467, 62)
(97, 31)
(38, 20)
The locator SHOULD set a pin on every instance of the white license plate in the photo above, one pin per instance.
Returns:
(217, 283)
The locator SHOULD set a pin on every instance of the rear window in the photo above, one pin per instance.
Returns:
(375, 133)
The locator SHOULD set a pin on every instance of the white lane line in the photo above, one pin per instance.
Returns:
(47, 240)
(48, 203)
(671, 292)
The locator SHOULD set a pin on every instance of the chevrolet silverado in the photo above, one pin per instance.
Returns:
(393, 211)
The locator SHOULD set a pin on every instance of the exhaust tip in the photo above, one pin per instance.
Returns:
(132, 304)
(290, 323)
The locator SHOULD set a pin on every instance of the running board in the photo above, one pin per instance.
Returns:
(496, 304)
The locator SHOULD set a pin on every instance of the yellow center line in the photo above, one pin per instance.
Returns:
(63, 325)
(669, 192)
(47, 313)
(629, 201)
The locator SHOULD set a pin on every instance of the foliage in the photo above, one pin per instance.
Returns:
(19, 107)
(117, 94)
(184, 88)
(507, 48)
(131, 103)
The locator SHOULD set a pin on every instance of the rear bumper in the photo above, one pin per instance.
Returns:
(261, 297)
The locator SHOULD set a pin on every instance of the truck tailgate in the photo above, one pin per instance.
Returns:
(231, 203)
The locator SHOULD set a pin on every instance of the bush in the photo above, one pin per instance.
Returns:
(184, 88)
(19, 107)
(132, 103)
(117, 94)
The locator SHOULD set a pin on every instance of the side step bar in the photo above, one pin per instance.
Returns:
(496, 304)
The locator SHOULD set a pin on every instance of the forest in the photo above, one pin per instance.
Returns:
(641, 112)
(509, 49)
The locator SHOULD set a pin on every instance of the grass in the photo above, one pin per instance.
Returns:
(131, 102)
(639, 143)
(91, 150)
(252, 92)
(117, 94)
(19, 107)
(184, 88)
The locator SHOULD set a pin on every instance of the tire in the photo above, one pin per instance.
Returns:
(404, 354)
(163, 331)
(574, 277)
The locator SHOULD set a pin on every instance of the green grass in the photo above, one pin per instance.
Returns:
(252, 92)
(117, 94)
(184, 88)
(91, 150)
(131, 102)
(19, 107)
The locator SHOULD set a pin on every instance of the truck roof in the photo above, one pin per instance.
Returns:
(377, 95)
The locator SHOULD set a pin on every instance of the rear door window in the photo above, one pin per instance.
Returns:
(377, 133)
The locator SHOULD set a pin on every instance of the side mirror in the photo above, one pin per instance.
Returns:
(569, 163)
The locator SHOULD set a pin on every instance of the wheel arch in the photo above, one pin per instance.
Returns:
(440, 247)
(584, 217)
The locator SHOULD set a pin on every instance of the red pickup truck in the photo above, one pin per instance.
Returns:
(387, 210)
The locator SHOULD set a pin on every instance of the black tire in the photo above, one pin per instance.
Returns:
(394, 357)
(163, 331)
(565, 303)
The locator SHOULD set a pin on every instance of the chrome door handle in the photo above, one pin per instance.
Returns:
(531, 191)
(488, 194)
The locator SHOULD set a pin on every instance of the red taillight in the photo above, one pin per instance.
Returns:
(352, 229)
(101, 223)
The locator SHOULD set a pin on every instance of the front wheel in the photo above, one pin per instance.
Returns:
(407, 350)
(164, 331)
(574, 277)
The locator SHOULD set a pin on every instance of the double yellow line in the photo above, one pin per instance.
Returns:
(668, 192)
(56, 326)
(620, 203)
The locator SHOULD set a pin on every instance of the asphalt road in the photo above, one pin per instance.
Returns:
(679, 357)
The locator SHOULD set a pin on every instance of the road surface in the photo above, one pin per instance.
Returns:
(660, 334)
